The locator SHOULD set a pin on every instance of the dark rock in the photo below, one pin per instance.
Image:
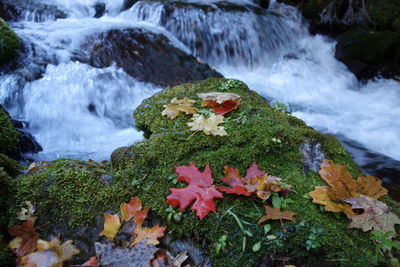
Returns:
(262, 3)
(100, 9)
(146, 56)
(28, 143)
(313, 154)
(368, 53)
(196, 255)
(16, 10)
(128, 4)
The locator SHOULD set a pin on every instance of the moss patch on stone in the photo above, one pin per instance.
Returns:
(9, 43)
(70, 191)
(8, 134)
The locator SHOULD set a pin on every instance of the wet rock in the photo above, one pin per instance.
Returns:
(128, 4)
(369, 53)
(100, 9)
(262, 3)
(146, 56)
(16, 10)
(313, 154)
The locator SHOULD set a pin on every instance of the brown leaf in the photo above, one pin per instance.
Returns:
(376, 215)
(176, 106)
(320, 196)
(50, 254)
(28, 235)
(221, 103)
(277, 214)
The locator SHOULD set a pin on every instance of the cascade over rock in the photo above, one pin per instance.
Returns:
(146, 56)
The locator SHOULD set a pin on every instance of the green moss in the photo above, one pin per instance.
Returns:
(70, 191)
(8, 134)
(9, 43)
(6, 257)
(149, 165)
(10, 166)
(5, 181)
(384, 14)
(369, 46)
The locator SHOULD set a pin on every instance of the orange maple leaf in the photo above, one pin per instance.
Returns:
(342, 186)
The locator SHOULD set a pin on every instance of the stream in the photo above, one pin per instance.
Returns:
(80, 111)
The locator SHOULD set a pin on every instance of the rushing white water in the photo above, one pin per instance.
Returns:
(272, 53)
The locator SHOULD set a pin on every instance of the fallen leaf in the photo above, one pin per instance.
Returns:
(342, 186)
(111, 226)
(91, 262)
(28, 235)
(320, 196)
(376, 215)
(209, 126)
(256, 181)
(221, 103)
(180, 259)
(50, 254)
(200, 189)
(25, 214)
(139, 255)
(151, 235)
(133, 209)
(277, 214)
(176, 106)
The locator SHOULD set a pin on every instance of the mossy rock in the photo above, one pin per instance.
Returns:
(8, 134)
(369, 53)
(253, 130)
(6, 258)
(384, 14)
(9, 43)
(72, 195)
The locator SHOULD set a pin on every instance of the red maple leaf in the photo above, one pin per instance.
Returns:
(256, 181)
(223, 108)
(200, 188)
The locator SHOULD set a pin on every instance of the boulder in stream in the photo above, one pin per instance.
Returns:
(144, 55)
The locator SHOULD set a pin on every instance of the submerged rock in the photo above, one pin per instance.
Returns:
(71, 195)
(144, 55)
(16, 10)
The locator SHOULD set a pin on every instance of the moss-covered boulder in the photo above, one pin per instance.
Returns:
(72, 195)
(256, 132)
(9, 43)
(6, 258)
(369, 53)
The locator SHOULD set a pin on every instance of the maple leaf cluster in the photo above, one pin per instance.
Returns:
(137, 247)
(344, 194)
(221, 104)
(201, 190)
(32, 251)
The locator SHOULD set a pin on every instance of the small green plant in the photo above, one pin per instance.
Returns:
(173, 214)
(281, 107)
(229, 85)
(172, 179)
(280, 202)
(221, 244)
(385, 248)
(312, 241)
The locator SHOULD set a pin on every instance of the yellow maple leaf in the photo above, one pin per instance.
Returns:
(208, 125)
(111, 226)
(179, 105)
